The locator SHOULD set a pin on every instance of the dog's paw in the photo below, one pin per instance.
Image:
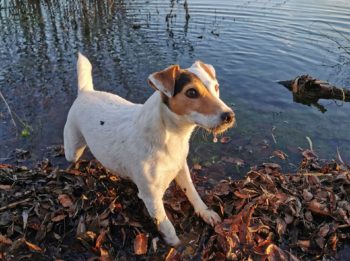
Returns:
(210, 216)
(168, 231)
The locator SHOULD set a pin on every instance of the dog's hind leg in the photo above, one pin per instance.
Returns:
(183, 179)
(74, 142)
(155, 206)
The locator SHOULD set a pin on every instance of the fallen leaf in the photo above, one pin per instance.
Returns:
(5, 166)
(288, 218)
(303, 244)
(225, 140)
(334, 241)
(309, 154)
(33, 246)
(307, 195)
(197, 166)
(100, 239)
(281, 226)
(280, 154)
(104, 255)
(274, 253)
(58, 218)
(5, 240)
(65, 200)
(323, 230)
(140, 244)
(318, 208)
(237, 161)
(173, 255)
(81, 228)
(5, 187)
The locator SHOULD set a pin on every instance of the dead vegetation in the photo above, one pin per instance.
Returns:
(86, 213)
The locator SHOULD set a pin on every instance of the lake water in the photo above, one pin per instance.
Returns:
(252, 45)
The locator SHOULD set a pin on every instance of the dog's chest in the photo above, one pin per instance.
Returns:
(168, 161)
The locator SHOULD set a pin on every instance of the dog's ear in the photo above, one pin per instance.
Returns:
(208, 68)
(164, 81)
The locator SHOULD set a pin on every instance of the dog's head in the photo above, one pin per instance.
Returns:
(193, 94)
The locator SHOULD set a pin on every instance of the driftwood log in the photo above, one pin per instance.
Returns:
(308, 90)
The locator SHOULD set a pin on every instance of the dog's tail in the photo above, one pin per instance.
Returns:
(84, 74)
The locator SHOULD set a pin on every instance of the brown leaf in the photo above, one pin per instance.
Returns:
(141, 244)
(5, 166)
(223, 188)
(307, 195)
(74, 172)
(288, 218)
(81, 228)
(33, 246)
(100, 239)
(303, 244)
(281, 226)
(5, 187)
(308, 216)
(65, 200)
(173, 255)
(274, 253)
(245, 193)
(323, 231)
(104, 255)
(280, 154)
(225, 140)
(237, 161)
(333, 241)
(318, 208)
(320, 242)
(5, 240)
(309, 154)
(58, 218)
(197, 166)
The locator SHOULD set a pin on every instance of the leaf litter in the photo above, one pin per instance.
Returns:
(87, 213)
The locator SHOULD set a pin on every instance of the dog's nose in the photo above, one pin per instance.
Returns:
(227, 117)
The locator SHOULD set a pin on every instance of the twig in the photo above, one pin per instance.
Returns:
(272, 134)
(310, 143)
(14, 204)
(339, 157)
(9, 109)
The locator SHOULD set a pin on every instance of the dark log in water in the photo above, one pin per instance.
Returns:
(308, 90)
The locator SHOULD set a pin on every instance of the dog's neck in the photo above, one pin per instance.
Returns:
(160, 123)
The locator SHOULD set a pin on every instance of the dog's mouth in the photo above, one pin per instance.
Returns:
(219, 129)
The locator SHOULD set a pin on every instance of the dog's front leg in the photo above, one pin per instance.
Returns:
(183, 179)
(153, 199)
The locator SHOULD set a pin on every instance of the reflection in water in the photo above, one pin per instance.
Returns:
(252, 44)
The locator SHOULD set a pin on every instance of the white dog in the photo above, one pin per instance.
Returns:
(148, 143)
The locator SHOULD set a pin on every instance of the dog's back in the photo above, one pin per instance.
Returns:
(95, 118)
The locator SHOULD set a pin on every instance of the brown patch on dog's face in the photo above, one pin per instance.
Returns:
(190, 95)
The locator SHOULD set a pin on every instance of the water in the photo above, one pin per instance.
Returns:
(252, 45)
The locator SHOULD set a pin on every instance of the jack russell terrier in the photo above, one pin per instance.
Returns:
(148, 143)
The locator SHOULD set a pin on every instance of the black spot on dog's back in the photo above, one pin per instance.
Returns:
(102, 122)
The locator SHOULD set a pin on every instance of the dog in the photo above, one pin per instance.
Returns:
(149, 143)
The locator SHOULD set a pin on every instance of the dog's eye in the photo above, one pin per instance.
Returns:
(217, 87)
(192, 93)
